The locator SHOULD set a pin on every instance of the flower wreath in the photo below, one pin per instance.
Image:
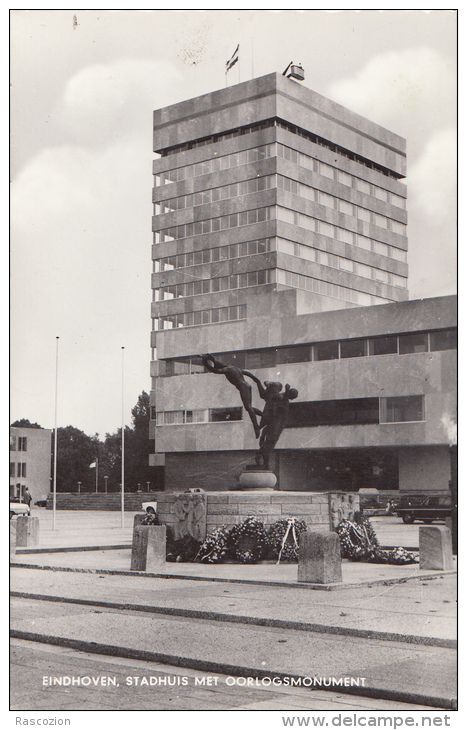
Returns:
(247, 541)
(283, 539)
(214, 548)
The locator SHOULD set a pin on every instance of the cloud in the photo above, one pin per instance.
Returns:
(432, 178)
(104, 102)
(402, 90)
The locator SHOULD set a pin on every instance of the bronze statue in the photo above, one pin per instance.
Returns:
(274, 416)
(276, 409)
(235, 376)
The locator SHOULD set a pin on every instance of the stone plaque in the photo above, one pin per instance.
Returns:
(342, 507)
(435, 545)
(319, 558)
(189, 510)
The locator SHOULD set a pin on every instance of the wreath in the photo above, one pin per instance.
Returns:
(214, 549)
(359, 542)
(283, 539)
(247, 541)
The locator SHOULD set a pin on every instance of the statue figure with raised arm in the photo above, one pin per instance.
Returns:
(235, 376)
(273, 417)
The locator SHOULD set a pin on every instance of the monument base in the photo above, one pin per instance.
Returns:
(258, 480)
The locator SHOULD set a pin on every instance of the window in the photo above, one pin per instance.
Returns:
(225, 414)
(383, 345)
(21, 469)
(298, 353)
(12, 443)
(348, 412)
(353, 348)
(260, 359)
(417, 342)
(402, 409)
(327, 351)
(443, 340)
(12, 469)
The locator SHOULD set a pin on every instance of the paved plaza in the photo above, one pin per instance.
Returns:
(386, 634)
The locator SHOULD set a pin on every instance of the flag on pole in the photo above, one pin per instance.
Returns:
(232, 60)
(93, 465)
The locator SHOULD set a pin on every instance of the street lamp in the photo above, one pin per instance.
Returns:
(79, 487)
(105, 482)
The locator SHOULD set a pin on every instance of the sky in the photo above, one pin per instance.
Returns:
(84, 84)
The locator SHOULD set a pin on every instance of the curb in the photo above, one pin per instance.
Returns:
(34, 551)
(273, 583)
(250, 620)
(231, 670)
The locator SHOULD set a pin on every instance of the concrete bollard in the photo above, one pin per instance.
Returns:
(27, 531)
(148, 547)
(12, 538)
(319, 558)
(435, 546)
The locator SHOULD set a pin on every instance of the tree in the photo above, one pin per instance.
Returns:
(75, 452)
(25, 423)
(138, 448)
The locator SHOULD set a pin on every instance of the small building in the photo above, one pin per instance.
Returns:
(30, 461)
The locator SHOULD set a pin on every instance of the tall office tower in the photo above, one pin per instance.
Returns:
(270, 202)
(267, 185)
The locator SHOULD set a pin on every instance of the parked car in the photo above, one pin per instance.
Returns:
(424, 508)
(18, 508)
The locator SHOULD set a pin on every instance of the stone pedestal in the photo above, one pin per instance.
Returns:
(148, 548)
(319, 558)
(258, 480)
(27, 531)
(435, 545)
(12, 538)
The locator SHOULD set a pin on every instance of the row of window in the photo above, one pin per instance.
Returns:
(22, 443)
(323, 227)
(357, 411)
(209, 255)
(345, 412)
(263, 245)
(267, 123)
(342, 206)
(398, 344)
(206, 316)
(267, 276)
(272, 212)
(284, 183)
(339, 262)
(224, 162)
(205, 286)
(299, 281)
(212, 225)
(17, 469)
(239, 132)
(200, 415)
(334, 173)
(236, 159)
(224, 192)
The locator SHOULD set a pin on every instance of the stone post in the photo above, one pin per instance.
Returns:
(12, 538)
(319, 558)
(435, 545)
(27, 531)
(148, 548)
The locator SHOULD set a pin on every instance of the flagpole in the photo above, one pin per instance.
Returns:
(54, 500)
(123, 448)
